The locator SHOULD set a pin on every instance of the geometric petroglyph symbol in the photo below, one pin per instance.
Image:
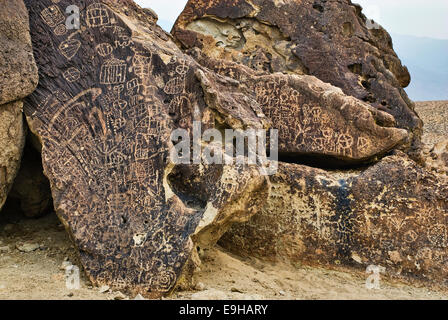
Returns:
(60, 30)
(175, 86)
(104, 49)
(98, 16)
(52, 16)
(69, 48)
(437, 235)
(72, 74)
(113, 71)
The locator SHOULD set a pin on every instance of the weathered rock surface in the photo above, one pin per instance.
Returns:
(393, 215)
(438, 158)
(18, 71)
(12, 141)
(314, 118)
(109, 96)
(331, 40)
(18, 78)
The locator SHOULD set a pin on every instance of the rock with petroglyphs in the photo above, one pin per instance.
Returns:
(315, 120)
(331, 40)
(110, 94)
(393, 214)
(18, 78)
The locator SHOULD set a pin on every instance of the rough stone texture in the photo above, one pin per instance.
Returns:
(12, 141)
(434, 115)
(18, 71)
(109, 96)
(393, 215)
(435, 134)
(331, 40)
(18, 78)
(437, 159)
(313, 118)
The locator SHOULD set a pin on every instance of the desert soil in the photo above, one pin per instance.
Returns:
(40, 274)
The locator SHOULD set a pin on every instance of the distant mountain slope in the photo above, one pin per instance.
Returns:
(427, 60)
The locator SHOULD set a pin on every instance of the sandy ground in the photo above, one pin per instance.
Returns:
(39, 274)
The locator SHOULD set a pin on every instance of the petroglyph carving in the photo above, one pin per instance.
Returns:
(113, 71)
(72, 75)
(104, 49)
(60, 30)
(98, 15)
(52, 16)
(175, 86)
(69, 48)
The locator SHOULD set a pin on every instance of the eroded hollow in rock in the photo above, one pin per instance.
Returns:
(30, 195)
(260, 46)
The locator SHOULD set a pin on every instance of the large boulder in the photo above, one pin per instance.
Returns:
(315, 121)
(393, 214)
(18, 78)
(18, 71)
(12, 141)
(110, 95)
(331, 40)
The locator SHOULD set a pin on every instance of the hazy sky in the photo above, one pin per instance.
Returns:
(423, 18)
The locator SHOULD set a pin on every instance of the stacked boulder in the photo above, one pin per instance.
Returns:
(18, 78)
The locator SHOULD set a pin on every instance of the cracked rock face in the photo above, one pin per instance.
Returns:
(393, 215)
(331, 40)
(18, 78)
(109, 96)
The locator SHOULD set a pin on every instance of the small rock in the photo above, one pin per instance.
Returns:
(139, 297)
(119, 296)
(236, 290)
(70, 295)
(282, 293)
(28, 247)
(200, 286)
(5, 249)
(104, 289)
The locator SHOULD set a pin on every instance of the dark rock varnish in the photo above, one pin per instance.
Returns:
(393, 214)
(331, 40)
(109, 96)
